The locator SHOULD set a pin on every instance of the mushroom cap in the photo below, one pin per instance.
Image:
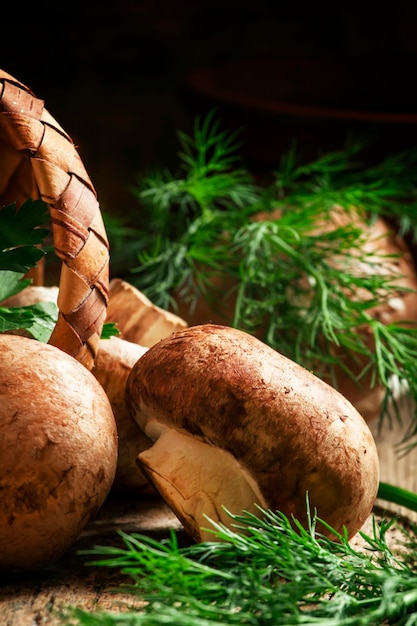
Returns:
(58, 451)
(286, 429)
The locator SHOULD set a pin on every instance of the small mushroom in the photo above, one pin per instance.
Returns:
(138, 319)
(33, 294)
(115, 358)
(235, 424)
(58, 451)
(141, 324)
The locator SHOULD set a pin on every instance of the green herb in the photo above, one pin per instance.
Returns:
(211, 177)
(22, 233)
(37, 319)
(397, 495)
(124, 241)
(110, 329)
(281, 279)
(267, 571)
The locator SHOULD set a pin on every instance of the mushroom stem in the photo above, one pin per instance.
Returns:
(196, 478)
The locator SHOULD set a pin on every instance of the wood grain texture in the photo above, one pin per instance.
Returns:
(396, 467)
(37, 599)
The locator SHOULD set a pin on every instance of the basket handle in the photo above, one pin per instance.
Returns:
(41, 161)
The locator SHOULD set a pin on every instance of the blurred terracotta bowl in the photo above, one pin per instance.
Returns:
(369, 90)
(316, 101)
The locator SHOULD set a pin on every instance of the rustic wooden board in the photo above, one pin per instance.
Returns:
(36, 600)
(395, 467)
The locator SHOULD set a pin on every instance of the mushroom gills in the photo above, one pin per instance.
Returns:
(199, 481)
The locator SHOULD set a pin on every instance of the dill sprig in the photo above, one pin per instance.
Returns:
(267, 570)
(211, 175)
(387, 188)
(206, 241)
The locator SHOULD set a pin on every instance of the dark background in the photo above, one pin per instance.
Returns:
(122, 77)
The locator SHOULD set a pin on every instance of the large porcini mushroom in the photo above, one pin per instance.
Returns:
(58, 443)
(235, 424)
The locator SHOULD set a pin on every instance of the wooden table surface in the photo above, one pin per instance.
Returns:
(35, 600)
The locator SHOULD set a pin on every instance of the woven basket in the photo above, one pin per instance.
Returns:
(39, 160)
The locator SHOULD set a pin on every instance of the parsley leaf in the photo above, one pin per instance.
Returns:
(109, 330)
(21, 233)
(11, 283)
(37, 319)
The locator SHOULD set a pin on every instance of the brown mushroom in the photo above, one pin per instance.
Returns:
(115, 358)
(141, 325)
(235, 424)
(138, 319)
(58, 451)
(31, 295)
